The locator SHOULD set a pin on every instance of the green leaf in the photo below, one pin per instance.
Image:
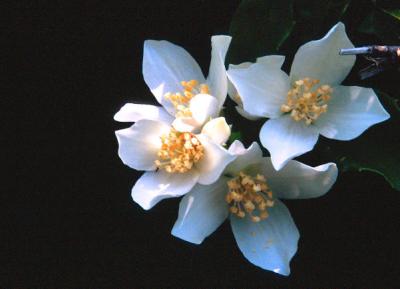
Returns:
(377, 149)
(258, 28)
(394, 13)
(382, 25)
(235, 135)
(318, 11)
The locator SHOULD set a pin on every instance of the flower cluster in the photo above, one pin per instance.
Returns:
(181, 145)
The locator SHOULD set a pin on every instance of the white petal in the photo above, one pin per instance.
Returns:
(139, 144)
(285, 139)
(262, 89)
(271, 243)
(237, 148)
(351, 111)
(299, 181)
(232, 92)
(153, 187)
(320, 59)
(165, 65)
(185, 124)
(275, 61)
(203, 107)
(213, 162)
(244, 157)
(132, 112)
(201, 212)
(245, 114)
(217, 79)
(217, 130)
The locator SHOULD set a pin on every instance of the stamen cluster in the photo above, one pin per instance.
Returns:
(247, 194)
(179, 151)
(306, 102)
(180, 101)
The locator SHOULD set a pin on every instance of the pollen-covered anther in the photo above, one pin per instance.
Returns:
(179, 152)
(249, 195)
(306, 101)
(180, 100)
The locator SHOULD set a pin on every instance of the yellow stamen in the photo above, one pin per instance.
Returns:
(180, 100)
(247, 195)
(179, 151)
(307, 102)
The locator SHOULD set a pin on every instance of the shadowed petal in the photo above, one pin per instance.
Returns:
(132, 112)
(153, 187)
(275, 61)
(320, 59)
(217, 79)
(351, 111)
(299, 181)
(139, 144)
(270, 243)
(285, 139)
(202, 211)
(217, 130)
(203, 107)
(165, 65)
(213, 162)
(244, 157)
(262, 89)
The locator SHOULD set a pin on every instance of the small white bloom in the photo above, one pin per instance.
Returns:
(179, 85)
(308, 102)
(248, 193)
(174, 161)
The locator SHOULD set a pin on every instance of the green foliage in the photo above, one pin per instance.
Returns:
(383, 24)
(235, 135)
(259, 28)
(393, 12)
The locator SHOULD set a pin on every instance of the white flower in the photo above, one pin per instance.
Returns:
(248, 194)
(174, 161)
(308, 102)
(178, 84)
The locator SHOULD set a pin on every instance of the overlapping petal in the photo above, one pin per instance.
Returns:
(214, 161)
(217, 79)
(270, 243)
(299, 181)
(132, 112)
(217, 130)
(244, 157)
(285, 139)
(262, 89)
(351, 111)
(139, 144)
(165, 65)
(201, 212)
(155, 186)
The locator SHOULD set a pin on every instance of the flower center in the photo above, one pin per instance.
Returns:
(306, 101)
(180, 101)
(247, 194)
(179, 151)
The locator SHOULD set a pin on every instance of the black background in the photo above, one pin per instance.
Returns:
(68, 219)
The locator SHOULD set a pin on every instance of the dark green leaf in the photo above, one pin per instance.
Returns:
(259, 27)
(394, 13)
(383, 26)
(235, 135)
